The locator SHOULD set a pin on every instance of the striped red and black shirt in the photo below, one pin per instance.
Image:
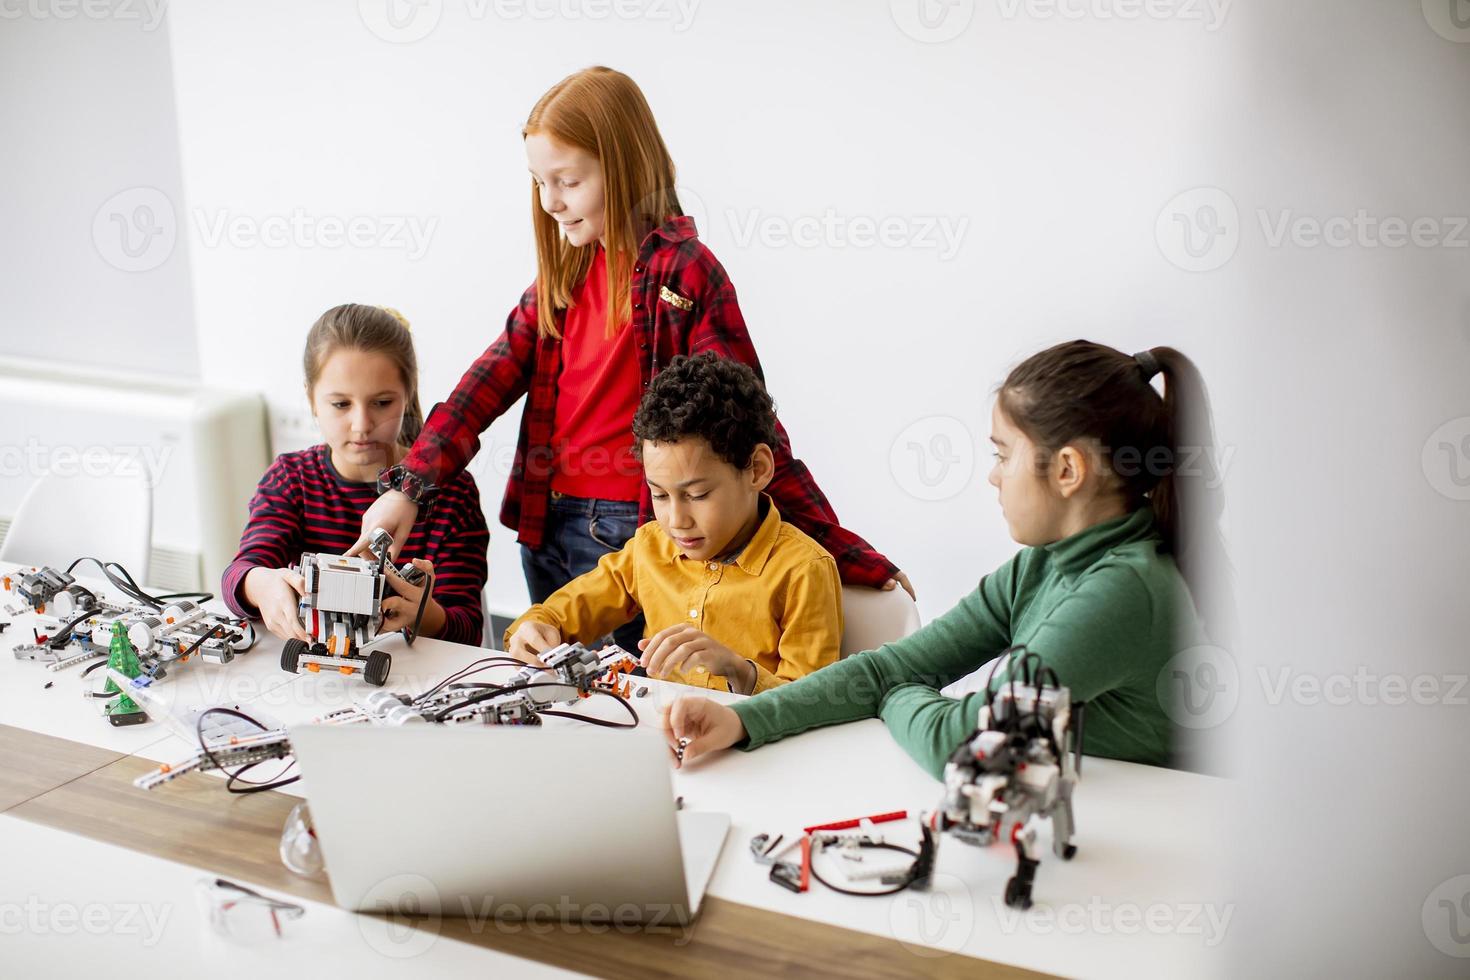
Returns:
(303, 504)
(683, 303)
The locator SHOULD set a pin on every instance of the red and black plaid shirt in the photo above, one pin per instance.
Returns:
(671, 260)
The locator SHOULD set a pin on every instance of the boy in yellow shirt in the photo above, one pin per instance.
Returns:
(734, 598)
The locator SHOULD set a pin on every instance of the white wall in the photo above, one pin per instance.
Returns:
(1048, 147)
(90, 268)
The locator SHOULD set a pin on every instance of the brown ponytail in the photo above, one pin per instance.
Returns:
(374, 330)
(1160, 447)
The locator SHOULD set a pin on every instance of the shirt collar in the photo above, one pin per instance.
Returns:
(1073, 554)
(757, 551)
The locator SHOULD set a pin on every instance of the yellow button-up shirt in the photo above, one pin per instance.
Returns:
(778, 603)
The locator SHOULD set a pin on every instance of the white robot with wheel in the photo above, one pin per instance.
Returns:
(342, 609)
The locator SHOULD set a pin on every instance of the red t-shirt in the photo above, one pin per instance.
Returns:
(597, 394)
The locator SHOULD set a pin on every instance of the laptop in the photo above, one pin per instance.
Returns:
(553, 823)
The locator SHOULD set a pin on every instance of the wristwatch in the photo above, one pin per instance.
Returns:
(407, 483)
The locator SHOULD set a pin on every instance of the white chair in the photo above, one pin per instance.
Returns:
(63, 518)
(872, 617)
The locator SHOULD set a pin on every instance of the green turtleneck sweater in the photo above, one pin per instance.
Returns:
(1103, 608)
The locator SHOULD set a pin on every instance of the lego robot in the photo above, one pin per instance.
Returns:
(574, 671)
(1017, 769)
(83, 627)
(342, 609)
(35, 588)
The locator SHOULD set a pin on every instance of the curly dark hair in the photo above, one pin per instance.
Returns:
(720, 400)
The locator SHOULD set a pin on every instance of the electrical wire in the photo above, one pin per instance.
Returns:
(231, 778)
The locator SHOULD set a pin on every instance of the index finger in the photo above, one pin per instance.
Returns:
(361, 545)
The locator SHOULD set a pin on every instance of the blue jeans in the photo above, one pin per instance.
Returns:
(579, 532)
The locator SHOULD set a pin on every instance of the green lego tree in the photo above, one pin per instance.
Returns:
(122, 658)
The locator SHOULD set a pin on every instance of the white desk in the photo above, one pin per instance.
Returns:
(75, 907)
(1143, 896)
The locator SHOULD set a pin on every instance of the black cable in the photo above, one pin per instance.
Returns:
(219, 629)
(908, 878)
(233, 777)
(132, 589)
(199, 597)
(600, 722)
(63, 637)
(485, 663)
(125, 584)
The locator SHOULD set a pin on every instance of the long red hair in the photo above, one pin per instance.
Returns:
(603, 112)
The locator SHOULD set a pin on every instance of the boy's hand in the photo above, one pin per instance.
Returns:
(682, 647)
(532, 639)
(708, 725)
(276, 593)
(400, 610)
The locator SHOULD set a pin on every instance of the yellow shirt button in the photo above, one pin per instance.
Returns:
(694, 614)
(714, 566)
